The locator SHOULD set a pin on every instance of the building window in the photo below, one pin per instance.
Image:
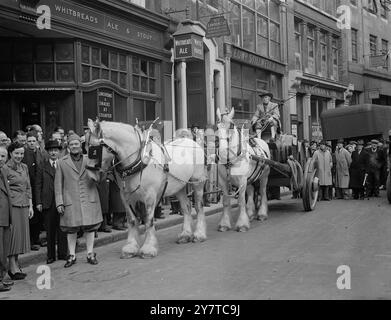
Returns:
(25, 61)
(354, 45)
(247, 82)
(102, 63)
(384, 47)
(372, 6)
(372, 45)
(298, 65)
(248, 29)
(311, 49)
(335, 53)
(261, 16)
(234, 23)
(144, 110)
(144, 75)
(323, 54)
(383, 9)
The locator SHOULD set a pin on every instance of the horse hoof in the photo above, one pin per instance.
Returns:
(128, 253)
(242, 229)
(251, 218)
(199, 238)
(262, 218)
(184, 239)
(148, 254)
(223, 229)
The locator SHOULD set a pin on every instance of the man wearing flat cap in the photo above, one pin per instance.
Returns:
(375, 162)
(267, 113)
(46, 203)
(77, 200)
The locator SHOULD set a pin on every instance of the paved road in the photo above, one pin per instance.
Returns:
(293, 255)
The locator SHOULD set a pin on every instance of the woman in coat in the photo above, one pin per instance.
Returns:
(324, 163)
(343, 161)
(22, 208)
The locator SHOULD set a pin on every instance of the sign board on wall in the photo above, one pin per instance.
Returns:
(105, 105)
(189, 46)
(217, 27)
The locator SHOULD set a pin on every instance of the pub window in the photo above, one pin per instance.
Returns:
(262, 35)
(274, 40)
(23, 61)
(354, 45)
(144, 110)
(144, 75)
(248, 29)
(102, 63)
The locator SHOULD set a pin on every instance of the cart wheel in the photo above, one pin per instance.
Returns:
(311, 186)
(389, 187)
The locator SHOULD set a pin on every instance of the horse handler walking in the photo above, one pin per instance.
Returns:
(77, 200)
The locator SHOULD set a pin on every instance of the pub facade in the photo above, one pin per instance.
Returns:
(101, 58)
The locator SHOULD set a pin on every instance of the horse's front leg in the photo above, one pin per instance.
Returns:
(186, 235)
(150, 246)
(250, 206)
(200, 232)
(243, 222)
(225, 221)
(263, 209)
(132, 246)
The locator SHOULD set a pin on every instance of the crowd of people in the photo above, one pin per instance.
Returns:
(45, 190)
(353, 170)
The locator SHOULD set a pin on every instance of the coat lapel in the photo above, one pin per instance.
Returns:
(49, 169)
(70, 163)
(83, 166)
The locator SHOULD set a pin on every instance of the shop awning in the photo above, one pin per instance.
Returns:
(356, 121)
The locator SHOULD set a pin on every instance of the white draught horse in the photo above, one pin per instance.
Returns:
(139, 170)
(236, 168)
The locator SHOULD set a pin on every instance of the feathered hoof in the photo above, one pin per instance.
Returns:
(242, 229)
(199, 238)
(148, 254)
(261, 218)
(223, 229)
(184, 239)
(129, 252)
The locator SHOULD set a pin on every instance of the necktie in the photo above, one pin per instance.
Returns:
(54, 164)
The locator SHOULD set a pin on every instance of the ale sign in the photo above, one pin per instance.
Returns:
(189, 46)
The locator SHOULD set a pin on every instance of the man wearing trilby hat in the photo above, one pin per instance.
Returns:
(267, 111)
(374, 163)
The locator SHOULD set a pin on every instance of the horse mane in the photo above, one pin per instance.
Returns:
(109, 128)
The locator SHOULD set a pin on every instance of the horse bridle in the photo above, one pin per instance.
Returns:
(95, 153)
(239, 152)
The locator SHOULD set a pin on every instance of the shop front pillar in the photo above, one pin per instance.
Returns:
(182, 105)
(227, 76)
(307, 116)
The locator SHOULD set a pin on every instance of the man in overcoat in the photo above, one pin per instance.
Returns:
(45, 198)
(374, 164)
(34, 158)
(343, 161)
(77, 200)
(324, 163)
(357, 171)
(5, 222)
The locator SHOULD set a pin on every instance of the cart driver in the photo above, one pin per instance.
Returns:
(267, 112)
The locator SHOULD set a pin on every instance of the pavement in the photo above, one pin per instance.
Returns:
(35, 257)
(293, 255)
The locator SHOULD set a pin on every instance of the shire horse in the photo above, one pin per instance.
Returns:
(139, 167)
(236, 168)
